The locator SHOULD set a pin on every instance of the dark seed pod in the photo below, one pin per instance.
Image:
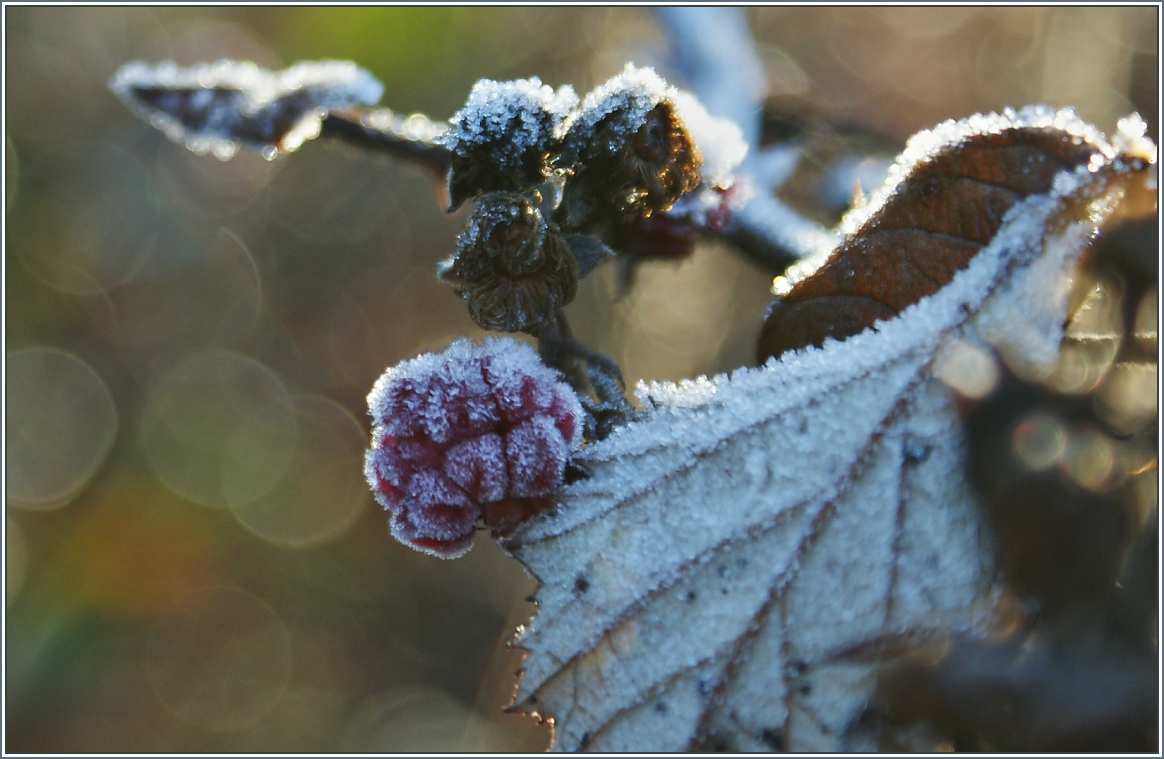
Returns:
(502, 138)
(514, 270)
(629, 151)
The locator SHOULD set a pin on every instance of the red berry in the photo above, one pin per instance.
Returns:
(478, 466)
(479, 431)
(536, 452)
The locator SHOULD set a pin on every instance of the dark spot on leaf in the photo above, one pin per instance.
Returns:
(710, 743)
(574, 473)
(661, 707)
(690, 597)
(915, 453)
(773, 737)
(581, 584)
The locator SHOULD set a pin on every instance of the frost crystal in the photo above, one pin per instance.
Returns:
(502, 136)
(216, 108)
(511, 117)
(719, 141)
(632, 94)
(479, 430)
(1131, 138)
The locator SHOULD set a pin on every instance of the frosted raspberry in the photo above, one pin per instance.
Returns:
(478, 431)
(537, 455)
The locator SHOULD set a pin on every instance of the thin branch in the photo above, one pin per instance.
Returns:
(406, 138)
(771, 233)
(713, 49)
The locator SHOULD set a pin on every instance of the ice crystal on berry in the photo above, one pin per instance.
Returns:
(476, 431)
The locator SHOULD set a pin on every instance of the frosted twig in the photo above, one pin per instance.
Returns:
(596, 378)
(409, 138)
(772, 233)
(713, 49)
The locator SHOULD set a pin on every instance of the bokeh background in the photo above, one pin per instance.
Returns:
(193, 561)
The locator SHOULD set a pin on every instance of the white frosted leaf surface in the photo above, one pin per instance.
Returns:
(709, 583)
(219, 107)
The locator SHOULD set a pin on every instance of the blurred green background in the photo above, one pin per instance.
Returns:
(193, 560)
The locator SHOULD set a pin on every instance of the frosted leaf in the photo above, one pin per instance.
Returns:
(737, 565)
(220, 107)
(938, 211)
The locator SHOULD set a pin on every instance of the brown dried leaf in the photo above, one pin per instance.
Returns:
(927, 230)
(711, 584)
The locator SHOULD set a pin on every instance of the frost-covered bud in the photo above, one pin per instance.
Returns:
(478, 431)
(629, 151)
(501, 139)
(514, 270)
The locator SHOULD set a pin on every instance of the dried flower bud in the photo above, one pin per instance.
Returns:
(630, 153)
(501, 139)
(476, 431)
(514, 270)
